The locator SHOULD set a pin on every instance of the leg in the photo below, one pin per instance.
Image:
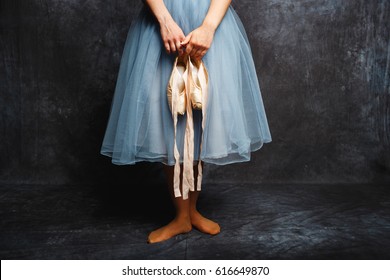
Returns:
(198, 221)
(181, 223)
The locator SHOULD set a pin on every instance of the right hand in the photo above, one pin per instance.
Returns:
(172, 36)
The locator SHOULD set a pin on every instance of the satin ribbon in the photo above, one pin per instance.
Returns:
(188, 152)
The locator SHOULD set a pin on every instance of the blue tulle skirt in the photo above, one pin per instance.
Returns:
(140, 125)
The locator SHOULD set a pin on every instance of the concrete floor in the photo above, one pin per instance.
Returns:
(257, 222)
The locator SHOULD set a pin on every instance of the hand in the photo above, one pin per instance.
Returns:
(198, 41)
(172, 35)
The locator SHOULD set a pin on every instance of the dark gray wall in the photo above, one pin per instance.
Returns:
(323, 68)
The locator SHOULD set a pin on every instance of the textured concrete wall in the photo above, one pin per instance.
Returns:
(323, 67)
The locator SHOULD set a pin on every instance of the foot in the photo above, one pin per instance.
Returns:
(203, 224)
(175, 227)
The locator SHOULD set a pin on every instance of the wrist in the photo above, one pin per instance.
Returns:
(164, 19)
(210, 25)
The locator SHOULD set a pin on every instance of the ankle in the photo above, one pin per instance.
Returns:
(184, 221)
(183, 217)
(194, 212)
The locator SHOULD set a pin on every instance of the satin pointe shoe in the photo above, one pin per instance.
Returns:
(176, 89)
(198, 82)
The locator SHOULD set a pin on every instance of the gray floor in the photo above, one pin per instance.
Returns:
(257, 222)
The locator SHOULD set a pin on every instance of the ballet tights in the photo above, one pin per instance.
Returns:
(187, 216)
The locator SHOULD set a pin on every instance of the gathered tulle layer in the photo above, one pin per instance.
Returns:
(140, 125)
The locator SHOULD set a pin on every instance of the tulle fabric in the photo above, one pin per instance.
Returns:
(140, 125)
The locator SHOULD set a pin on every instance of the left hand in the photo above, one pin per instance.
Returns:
(198, 41)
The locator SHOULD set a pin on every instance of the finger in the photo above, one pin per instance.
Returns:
(193, 52)
(199, 56)
(186, 39)
(179, 48)
(188, 49)
(196, 54)
(173, 47)
(181, 38)
(203, 54)
(167, 48)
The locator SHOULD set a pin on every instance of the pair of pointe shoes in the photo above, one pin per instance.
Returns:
(188, 80)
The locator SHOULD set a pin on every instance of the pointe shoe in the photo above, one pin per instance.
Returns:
(198, 82)
(176, 89)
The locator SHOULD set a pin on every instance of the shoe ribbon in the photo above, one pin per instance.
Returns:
(188, 152)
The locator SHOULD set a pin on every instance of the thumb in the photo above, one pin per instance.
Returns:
(186, 39)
